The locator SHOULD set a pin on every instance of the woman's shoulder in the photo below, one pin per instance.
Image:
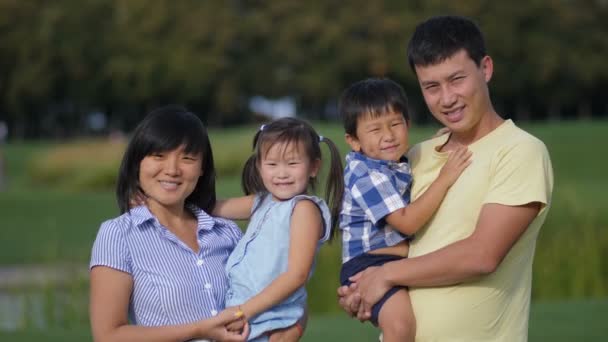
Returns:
(126, 221)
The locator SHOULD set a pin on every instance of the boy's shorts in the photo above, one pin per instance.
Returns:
(360, 263)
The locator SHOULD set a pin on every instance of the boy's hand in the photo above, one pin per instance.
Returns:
(458, 160)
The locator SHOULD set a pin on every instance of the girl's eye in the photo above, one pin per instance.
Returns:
(190, 158)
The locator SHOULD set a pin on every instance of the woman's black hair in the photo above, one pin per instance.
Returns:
(165, 129)
(293, 130)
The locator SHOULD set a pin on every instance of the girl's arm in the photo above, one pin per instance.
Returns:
(109, 304)
(306, 228)
(409, 219)
(236, 208)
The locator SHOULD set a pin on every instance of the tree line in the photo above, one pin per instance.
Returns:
(62, 60)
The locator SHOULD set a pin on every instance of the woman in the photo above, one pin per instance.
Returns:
(157, 271)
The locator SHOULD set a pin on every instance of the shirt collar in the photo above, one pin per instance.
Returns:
(375, 163)
(141, 214)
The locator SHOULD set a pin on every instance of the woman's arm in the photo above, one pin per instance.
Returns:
(109, 304)
(306, 228)
(236, 208)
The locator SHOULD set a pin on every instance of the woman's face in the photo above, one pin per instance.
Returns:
(168, 178)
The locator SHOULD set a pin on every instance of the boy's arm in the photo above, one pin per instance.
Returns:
(236, 208)
(409, 219)
(306, 228)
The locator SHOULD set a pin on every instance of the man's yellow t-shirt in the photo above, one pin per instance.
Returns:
(510, 167)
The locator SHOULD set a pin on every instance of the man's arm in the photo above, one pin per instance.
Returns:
(498, 229)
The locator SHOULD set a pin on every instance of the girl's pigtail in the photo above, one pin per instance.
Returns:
(251, 181)
(334, 189)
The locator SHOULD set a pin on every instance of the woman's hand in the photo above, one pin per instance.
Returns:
(216, 328)
(371, 286)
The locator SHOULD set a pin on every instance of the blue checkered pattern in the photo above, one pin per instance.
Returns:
(374, 189)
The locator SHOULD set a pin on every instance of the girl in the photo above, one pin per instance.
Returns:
(157, 271)
(269, 267)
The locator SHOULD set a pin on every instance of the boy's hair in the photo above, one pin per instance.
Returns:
(372, 98)
(439, 38)
(166, 129)
(296, 131)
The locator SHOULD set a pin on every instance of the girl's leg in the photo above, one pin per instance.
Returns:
(396, 318)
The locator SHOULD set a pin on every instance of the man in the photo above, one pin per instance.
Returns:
(470, 268)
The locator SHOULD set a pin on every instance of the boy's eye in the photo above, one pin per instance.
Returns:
(398, 123)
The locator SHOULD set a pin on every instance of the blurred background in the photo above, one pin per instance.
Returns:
(76, 76)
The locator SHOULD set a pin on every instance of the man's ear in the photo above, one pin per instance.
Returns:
(353, 142)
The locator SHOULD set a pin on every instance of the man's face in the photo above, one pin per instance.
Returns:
(456, 91)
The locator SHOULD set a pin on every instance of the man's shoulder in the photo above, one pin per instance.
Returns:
(519, 139)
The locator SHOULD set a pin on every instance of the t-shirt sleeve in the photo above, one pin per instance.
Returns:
(522, 174)
(110, 248)
(377, 195)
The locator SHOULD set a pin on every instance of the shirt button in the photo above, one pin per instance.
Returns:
(213, 312)
(207, 286)
(200, 262)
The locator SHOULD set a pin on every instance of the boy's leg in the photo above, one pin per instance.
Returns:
(396, 318)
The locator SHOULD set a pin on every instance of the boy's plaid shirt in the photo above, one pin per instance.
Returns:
(373, 189)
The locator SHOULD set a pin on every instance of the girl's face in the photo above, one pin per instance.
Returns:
(168, 178)
(286, 170)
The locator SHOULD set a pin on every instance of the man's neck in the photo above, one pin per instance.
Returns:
(489, 122)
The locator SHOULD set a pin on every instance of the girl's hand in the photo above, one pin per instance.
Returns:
(239, 324)
(215, 328)
(458, 160)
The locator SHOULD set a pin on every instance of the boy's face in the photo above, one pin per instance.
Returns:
(456, 91)
(384, 137)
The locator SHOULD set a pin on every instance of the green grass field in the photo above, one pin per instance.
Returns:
(47, 224)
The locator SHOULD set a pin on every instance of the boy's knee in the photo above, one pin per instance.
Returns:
(399, 329)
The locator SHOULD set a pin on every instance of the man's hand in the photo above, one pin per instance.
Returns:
(350, 301)
(371, 285)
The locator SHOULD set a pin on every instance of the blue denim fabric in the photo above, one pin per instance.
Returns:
(261, 255)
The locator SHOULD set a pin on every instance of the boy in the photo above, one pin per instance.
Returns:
(377, 218)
